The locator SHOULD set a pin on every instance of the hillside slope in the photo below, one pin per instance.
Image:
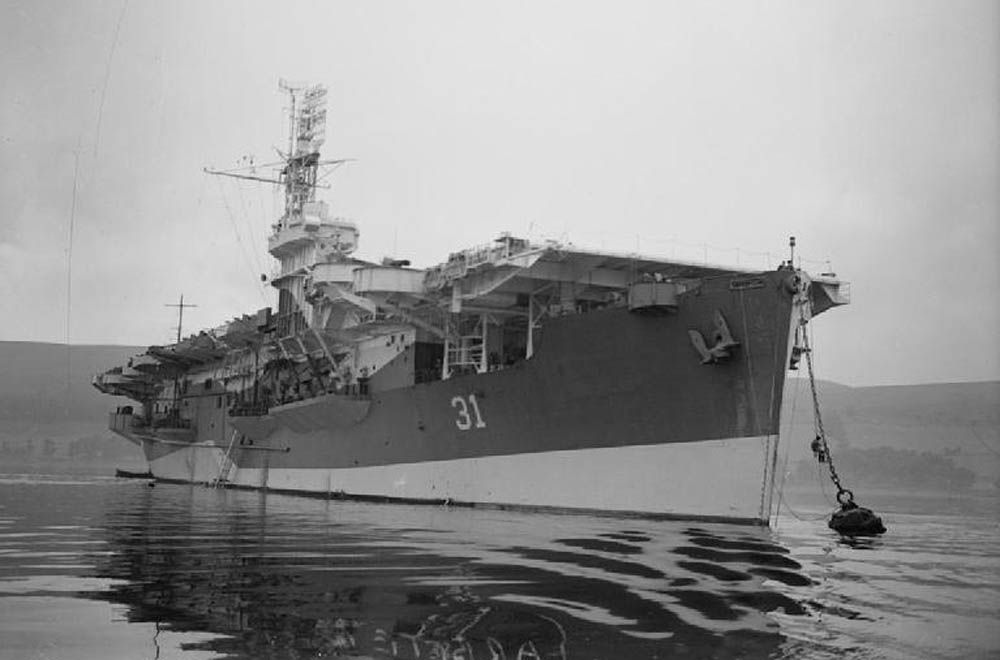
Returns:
(48, 382)
(48, 407)
(959, 421)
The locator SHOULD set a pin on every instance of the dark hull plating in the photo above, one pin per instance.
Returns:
(611, 378)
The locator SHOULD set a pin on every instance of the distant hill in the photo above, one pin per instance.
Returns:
(48, 408)
(50, 383)
(957, 421)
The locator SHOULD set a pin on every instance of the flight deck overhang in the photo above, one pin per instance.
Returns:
(826, 292)
(559, 272)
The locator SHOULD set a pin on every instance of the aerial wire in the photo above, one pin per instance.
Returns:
(69, 277)
(107, 75)
(72, 212)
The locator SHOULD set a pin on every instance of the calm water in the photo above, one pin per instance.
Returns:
(93, 567)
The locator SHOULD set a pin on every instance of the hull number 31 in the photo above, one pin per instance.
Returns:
(468, 413)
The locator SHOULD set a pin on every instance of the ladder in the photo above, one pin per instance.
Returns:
(226, 465)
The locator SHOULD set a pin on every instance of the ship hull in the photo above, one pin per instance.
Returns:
(198, 463)
(616, 411)
(674, 480)
(664, 480)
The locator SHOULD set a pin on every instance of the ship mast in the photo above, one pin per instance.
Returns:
(180, 314)
(180, 324)
(306, 234)
(300, 165)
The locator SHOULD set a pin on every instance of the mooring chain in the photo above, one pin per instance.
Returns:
(850, 520)
(844, 496)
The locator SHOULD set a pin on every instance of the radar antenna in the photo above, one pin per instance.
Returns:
(298, 169)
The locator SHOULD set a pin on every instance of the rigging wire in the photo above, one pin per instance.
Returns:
(239, 241)
(249, 224)
(262, 203)
(331, 167)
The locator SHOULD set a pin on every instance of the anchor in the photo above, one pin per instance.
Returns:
(723, 341)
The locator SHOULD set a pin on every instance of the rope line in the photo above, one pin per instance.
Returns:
(791, 425)
(778, 368)
(822, 485)
(797, 516)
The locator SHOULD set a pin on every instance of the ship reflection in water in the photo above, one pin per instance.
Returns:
(274, 576)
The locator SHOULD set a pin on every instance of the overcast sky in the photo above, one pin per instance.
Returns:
(869, 130)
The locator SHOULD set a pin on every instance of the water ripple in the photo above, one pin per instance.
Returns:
(247, 575)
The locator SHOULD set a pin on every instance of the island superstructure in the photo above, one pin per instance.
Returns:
(514, 373)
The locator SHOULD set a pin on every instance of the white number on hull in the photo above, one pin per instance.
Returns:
(465, 421)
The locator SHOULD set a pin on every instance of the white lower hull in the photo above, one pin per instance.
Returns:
(198, 463)
(713, 478)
